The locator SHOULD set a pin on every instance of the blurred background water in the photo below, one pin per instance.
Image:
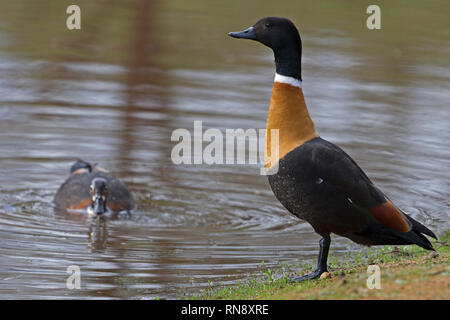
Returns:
(114, 91)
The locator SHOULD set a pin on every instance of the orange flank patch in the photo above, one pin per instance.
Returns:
(80, 171)
(288, 114)
(388, 215)
(115, 207)
(81, 205)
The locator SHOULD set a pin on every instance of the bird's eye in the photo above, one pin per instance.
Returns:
(268, 25)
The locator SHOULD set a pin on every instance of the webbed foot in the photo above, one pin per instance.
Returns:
(313, 275)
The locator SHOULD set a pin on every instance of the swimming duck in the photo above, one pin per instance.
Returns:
(314, 179)
(93, 190)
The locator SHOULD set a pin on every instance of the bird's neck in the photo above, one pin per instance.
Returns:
(288, 60)
(288, 114)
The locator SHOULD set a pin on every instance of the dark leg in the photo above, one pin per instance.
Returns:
(321, 263)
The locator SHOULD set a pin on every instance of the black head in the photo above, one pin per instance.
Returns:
(281, 35)
(99, 193)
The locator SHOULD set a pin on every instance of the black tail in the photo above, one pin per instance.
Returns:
(417, 226)
(415, 237)
(378, 234)
(80, 164)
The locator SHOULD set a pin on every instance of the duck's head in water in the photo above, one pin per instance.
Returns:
(99, 194)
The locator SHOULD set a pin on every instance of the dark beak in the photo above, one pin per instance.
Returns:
(246, 34)
(98, 206)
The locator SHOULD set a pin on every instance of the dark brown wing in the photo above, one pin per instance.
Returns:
(74, 192)
(337, 168)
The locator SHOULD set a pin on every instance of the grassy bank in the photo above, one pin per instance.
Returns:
(406, 272)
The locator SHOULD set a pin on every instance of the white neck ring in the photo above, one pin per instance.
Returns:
(288, 80)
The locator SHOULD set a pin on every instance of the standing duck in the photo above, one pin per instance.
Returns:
(313, 178)
(92, 190)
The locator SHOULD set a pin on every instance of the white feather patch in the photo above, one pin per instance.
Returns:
(288, 80)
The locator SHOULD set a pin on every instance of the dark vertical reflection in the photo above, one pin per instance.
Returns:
(146, 92)
(144, 71)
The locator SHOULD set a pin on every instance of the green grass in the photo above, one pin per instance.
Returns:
(406, 272)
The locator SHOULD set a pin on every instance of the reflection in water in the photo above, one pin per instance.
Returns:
(114, 92)
(144, 71)
(98, 233)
